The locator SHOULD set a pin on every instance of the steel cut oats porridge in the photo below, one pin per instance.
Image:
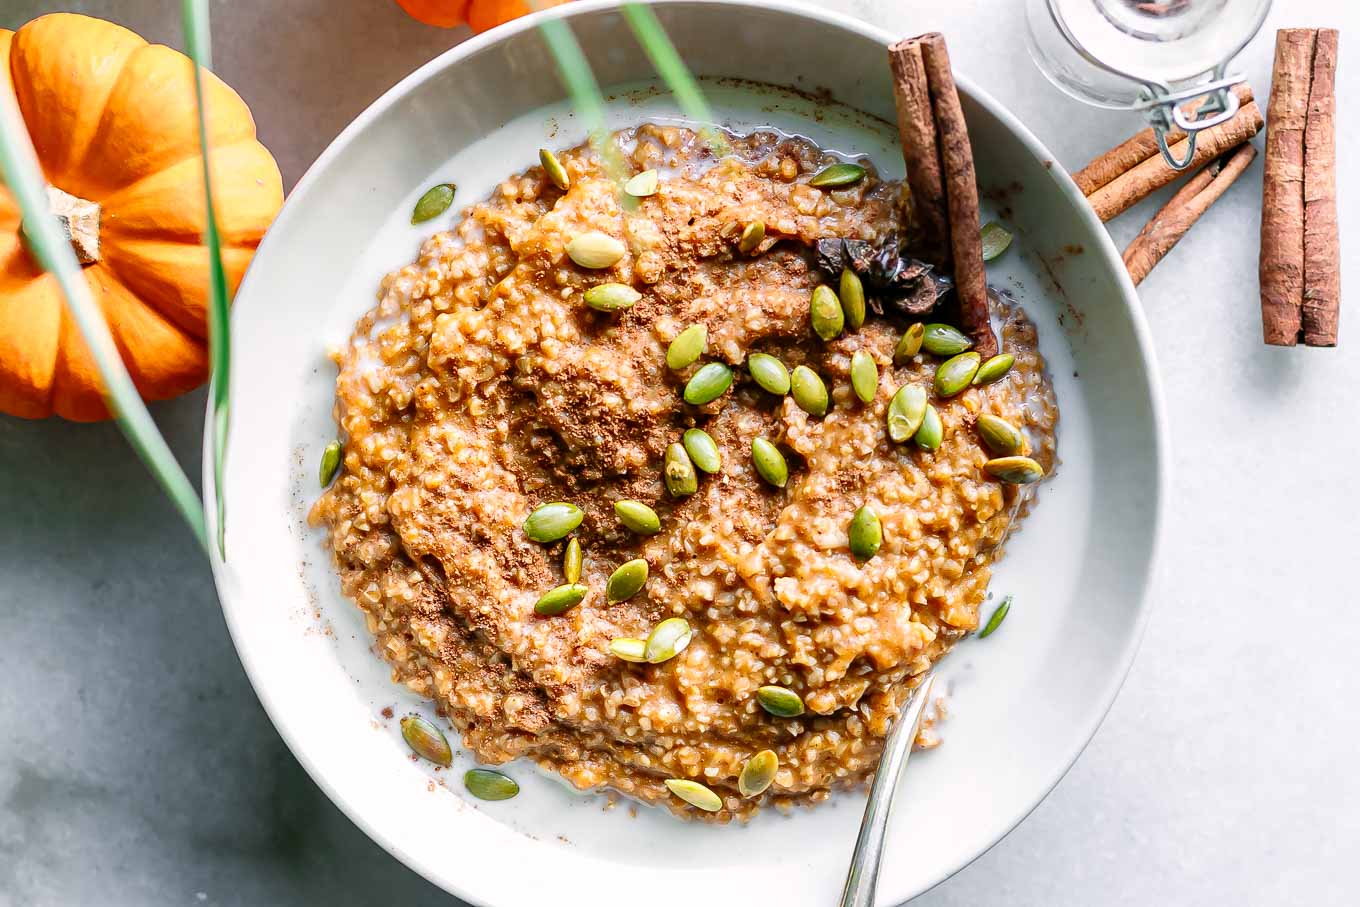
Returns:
(482, 386)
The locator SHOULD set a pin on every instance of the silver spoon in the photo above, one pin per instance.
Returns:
(862, 880)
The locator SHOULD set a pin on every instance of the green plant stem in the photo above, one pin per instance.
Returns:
(666, 61)
(23, 175)
(585, 95)
(198, 38)
(585, 92)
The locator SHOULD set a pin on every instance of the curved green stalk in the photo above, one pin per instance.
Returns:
(585, 94)
(198, 39)
(23, 175)
(666, 61)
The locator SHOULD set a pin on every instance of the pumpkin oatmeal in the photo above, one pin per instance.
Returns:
(712, 607)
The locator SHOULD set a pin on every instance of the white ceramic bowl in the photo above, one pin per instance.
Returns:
(1024, 702)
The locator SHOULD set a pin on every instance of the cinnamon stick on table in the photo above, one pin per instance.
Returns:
(1300, 282)
(1142, 179)
(940, 175)
(1179, 214)
(1128, 154)
(1281, 273)
(1321, 240)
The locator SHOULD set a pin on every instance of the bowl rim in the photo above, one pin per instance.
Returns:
(1105, 249)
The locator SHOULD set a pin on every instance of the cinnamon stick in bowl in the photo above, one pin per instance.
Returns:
(916, 128)
(940, 174)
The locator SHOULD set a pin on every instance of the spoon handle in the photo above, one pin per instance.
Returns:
(862, 879)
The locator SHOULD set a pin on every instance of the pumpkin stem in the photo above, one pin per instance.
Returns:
(79, 220)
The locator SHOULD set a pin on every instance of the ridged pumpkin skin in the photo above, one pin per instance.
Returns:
(114, 122)
(479, 14)
(442, 13)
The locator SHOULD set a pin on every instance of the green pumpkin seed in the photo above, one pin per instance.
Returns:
(668, 639)
(864, 375)
(852, 299)
(768, 372)
(994, 369)
(637, 517)
(910, 344)
(931, 433)
(769, 462)
(629, 649)
(906, 412)
(330, 463)
(695, 794)
(866, 533)
(553, 521)
(837, 175)
(626, 581)
(611, 297)
(553, 167)
(955, 374)
(571, 561)
(560, 600)
(780, 702)
(995, 240)
(485, 784)
(595, 250)
(426, 740)
(944, 340)
(687, 347)
(809, 391)
(1015, 470)
(758, 773)
(708, 384)
(826, 314)
(997, 617)
(751, 236)
(644, 184)
(678, 472)
(703, 450)
(433, 203)
(1000, 437)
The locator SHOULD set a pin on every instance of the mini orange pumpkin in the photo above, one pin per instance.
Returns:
(480, 14)
(443, 13)
(114, 122)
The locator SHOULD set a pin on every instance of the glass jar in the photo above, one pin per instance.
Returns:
(1169, 59)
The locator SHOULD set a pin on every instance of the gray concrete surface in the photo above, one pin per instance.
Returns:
(137, 768)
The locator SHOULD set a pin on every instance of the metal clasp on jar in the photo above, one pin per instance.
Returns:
(1169, 109)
